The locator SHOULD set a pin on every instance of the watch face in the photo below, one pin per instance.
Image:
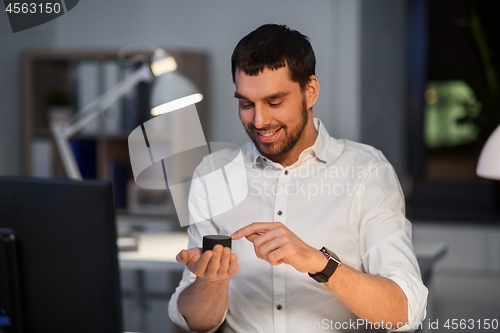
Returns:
(330, 254)
(325, 252)
(333, 263)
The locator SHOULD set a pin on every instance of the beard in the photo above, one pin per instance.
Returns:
(290, 135)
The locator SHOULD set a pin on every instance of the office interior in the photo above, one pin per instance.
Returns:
(413, 78)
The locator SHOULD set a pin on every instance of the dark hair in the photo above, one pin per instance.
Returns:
(275, 46)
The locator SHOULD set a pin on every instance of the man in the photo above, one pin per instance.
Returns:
(308, 191)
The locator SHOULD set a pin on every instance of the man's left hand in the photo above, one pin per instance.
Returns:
(276, 244)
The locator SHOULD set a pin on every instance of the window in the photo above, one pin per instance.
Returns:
(455, 105)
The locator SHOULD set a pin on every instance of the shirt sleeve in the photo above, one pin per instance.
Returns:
(386, 247)
(196, 231)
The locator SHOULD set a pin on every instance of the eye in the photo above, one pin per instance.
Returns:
(275, 105)
(246, 105)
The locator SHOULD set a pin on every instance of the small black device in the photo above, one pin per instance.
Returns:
(210, 241)
(331, 267)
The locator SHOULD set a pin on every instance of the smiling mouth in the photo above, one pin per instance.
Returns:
(268, 136)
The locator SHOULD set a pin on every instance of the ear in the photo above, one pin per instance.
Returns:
(312, 91)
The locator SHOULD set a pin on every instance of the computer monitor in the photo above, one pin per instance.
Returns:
(10, 309)
(67, 255)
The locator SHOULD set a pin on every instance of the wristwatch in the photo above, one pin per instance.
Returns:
(331, 267)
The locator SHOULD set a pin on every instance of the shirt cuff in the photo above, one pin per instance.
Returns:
(216, 327)
(416, 295)
(173, 309)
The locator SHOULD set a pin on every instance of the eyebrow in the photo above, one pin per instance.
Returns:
(267, 98)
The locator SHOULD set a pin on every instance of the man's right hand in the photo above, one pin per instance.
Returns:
(219, 264)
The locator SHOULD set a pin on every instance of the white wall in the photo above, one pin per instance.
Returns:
(215, 27)
(383, 67)
(347, 65)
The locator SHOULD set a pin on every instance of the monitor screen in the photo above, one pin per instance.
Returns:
(66, 251)
(9, 287)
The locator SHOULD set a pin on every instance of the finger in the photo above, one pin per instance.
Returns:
(224, 262)
(268, 236)
(271, 246)
(233, 265)
(199, 266)
(194, 253)
(279, 227)
(252, 237)
(277, 256)
(214, 263)
(254, 228)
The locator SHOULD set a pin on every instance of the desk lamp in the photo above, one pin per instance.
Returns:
(488, 165)
(171, 91)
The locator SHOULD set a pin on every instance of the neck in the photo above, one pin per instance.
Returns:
(306, 140)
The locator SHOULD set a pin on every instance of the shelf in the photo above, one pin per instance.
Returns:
(45, 71)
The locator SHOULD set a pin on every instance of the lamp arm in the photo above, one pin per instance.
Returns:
(62, 132)
(67, 155)
(82, 117)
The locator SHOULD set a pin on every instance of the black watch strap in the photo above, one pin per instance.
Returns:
(331, 266)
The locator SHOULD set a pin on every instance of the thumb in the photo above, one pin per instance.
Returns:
(185, 256)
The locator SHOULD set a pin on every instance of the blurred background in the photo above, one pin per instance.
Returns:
(417, 79)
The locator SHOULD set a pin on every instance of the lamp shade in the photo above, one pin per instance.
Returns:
(172, 91)
(488, 165)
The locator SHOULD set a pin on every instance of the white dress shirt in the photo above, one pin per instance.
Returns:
(339, 194)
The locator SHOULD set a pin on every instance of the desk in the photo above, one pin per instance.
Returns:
(428, 255)
(157, 251)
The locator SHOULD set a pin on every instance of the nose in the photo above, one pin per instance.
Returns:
(261, 117)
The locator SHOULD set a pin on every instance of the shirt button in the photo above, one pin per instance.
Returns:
(286, 172)
(279, 307)
(280, 212)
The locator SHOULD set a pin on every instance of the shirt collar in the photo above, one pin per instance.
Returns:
(319, 149)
